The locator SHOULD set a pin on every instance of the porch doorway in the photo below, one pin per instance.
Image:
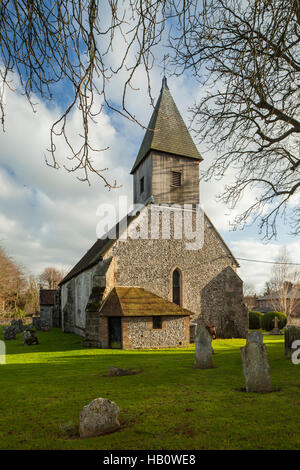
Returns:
(115, 332)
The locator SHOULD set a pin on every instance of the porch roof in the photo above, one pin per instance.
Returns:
(138, 302)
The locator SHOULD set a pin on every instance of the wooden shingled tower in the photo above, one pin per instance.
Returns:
(167, 164)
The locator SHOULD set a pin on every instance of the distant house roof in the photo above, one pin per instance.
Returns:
(293, 293)
(167, 131)
(138, 302)
(47, 296)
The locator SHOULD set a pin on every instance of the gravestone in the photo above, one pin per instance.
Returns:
(17, 325)
(36, 322)
(203, 349)
(9, 332)
(29, 338)
(291, 334)
(45, 325)
(100, 416)
(27, 327)
(276, 330)
(255, 364)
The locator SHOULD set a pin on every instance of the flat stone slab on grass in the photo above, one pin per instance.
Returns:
(118, 372)
(100, 416)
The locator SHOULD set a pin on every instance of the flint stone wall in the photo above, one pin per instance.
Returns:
(74, 297)
(211, 287)
(138, 332)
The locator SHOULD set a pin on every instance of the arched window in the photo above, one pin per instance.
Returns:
(177, 287)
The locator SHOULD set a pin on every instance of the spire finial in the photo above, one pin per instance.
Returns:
(164, 82)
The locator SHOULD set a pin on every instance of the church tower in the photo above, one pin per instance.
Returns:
(167, 164)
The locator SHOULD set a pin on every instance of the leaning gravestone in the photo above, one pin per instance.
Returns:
(9, 332)
(29, 338)
(99, 417)
(291, 334)
(255, 364)
(203, 349)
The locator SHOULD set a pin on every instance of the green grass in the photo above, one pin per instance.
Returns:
(170, 405)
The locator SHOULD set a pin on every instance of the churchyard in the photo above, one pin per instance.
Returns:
(168, 405)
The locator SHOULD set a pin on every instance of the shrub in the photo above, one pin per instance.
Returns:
(267, 322)
(20, 313)
(255, 320)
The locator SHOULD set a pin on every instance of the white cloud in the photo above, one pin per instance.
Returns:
(47, 217)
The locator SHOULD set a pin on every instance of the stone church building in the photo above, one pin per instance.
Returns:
(133, 291)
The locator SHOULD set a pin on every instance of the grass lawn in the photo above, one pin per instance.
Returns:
(169, 405)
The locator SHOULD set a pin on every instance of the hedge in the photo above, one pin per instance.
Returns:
(255, 320)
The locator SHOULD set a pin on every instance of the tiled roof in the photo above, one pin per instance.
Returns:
(167, 131)
(138, 302)
(47, 296)
(95, 253)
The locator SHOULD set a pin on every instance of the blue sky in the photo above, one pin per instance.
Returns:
(48, 217)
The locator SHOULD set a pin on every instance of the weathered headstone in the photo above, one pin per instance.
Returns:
(17, 325)
(29, 338)
(203, 349)
(9, 332)
(255, 364)
(291, 334)
(99, 417)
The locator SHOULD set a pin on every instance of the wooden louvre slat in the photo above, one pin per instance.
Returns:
(176, 178)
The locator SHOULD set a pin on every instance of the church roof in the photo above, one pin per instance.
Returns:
(138, 302)
(95, 253)
(102, 245)
(167, 131)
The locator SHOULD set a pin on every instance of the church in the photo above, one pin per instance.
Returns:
(138, 290)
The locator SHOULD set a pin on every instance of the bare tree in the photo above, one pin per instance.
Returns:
(245, 53)
(12, 283)
(32, 295)
(283, 285)
(71, 43)
(51, 277)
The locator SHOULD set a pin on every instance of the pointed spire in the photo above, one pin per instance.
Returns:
(166, 130)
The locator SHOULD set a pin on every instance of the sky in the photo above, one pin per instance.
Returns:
(48, 217)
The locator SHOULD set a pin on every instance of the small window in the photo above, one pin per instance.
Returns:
(176, 178)
(157, 323)
(176, 287)
(142, 185)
